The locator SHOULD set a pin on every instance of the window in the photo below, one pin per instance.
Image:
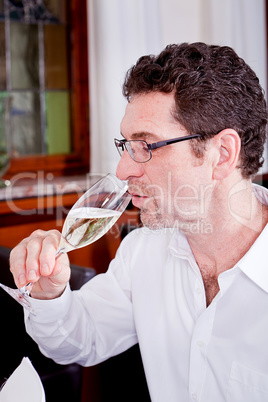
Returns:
(44, 85)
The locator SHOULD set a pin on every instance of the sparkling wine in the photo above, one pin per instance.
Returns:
(85, 225)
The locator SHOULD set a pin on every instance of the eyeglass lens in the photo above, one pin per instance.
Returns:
(138, 150)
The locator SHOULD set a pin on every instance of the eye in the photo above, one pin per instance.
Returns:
(144, 146)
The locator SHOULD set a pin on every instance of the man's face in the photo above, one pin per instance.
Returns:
(172, 187)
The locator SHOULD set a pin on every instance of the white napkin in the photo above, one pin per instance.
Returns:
(23, 385)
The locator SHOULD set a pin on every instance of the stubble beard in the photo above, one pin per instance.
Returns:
(153, 219)
(159, 213)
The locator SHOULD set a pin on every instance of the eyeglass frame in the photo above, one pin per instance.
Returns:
(152, 146)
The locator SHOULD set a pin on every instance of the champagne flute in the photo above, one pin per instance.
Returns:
(95, 212)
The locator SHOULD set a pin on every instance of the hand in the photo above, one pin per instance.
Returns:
(33, 260)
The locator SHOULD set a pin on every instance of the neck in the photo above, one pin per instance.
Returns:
(234, 224)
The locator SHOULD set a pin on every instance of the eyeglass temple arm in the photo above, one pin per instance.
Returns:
(160, 144)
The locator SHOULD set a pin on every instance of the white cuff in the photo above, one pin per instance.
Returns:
(50, 310)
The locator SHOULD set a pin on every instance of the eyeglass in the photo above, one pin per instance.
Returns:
(140, 151)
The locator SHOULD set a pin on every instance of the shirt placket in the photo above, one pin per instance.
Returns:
(199, 344)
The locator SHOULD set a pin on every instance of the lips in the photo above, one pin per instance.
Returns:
(139, 193)
(138, 199)
(135, 194)
(137, 190)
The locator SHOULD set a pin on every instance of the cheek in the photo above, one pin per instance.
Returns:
(173, 183)
(185, 198)
(191, 194)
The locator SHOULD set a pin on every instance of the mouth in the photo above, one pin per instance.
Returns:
(138, 199)
(140, 193)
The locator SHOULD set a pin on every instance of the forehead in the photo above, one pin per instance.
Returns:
(149, 113)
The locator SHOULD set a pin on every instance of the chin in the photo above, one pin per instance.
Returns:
(154, 221)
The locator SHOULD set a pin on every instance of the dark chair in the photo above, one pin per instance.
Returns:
(122, 378)
(61, 382)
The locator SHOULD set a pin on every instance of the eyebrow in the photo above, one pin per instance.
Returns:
(144, 135)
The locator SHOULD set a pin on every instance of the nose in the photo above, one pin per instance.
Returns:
(127, 167)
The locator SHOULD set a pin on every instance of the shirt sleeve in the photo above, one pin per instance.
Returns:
(89, 325)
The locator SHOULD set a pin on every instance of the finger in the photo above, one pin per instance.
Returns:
(32, 246)
(62, 264)
(32, 264)
(48, 252)
(18, 264)
(34, 254)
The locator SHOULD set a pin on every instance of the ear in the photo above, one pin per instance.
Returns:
(228, 145)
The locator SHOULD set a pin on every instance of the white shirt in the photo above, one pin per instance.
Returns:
(153, 294)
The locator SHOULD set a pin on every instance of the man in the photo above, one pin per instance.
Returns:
(192, 286)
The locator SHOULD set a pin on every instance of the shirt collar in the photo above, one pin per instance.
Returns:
(180, 248)
(261, 193)
(255, 262)
(179, 245)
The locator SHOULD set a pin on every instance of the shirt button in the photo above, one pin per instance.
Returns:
(200, 344)
(198, 291)
(194, 396)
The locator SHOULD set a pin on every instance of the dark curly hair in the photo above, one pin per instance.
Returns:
(214, 89)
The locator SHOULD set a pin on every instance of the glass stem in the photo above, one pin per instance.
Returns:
(59, 252)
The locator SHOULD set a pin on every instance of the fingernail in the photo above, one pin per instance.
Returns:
(31, 275)
(45, 270)
(22, 279)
